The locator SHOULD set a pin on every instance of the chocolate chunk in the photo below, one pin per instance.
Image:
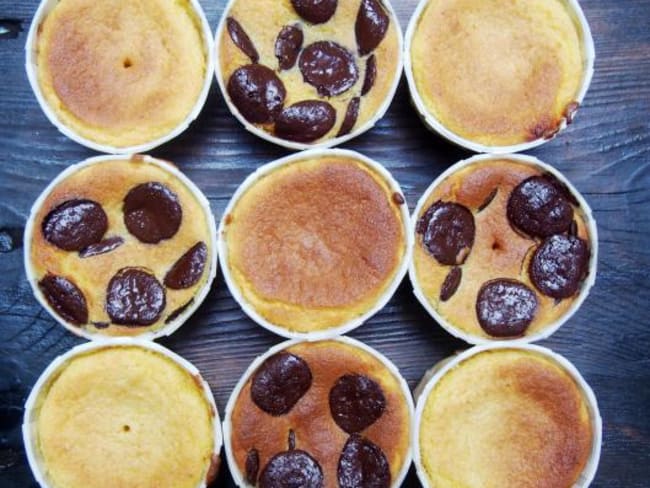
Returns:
(350, 117)
(134, 297)
(241, 39)
(107, 245)
(356, 402)
(176, 313)
(398, 199)
(280, 382)
(371, 25)
(292, 440)
(257, 93)
(559, 265)
(305, 121)
(539, 208)
(371, 75)
(329, 67)
(152, 212)
(101, 325)
(505, 308)
(315, 11)
(75, 224)
(288, 45)
(450, 285)
(188, 269)
(65, 298)
(488, 200)
(362, 465)
(291, 469)
(252, 466)
(447, 232)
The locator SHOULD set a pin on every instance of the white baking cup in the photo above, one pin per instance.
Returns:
(437, 372)
(585, 286)
(168, 167)
(302, 145)
(31, 66)
(32, 408)
(237, 475)
(353, 323)
(588, 52)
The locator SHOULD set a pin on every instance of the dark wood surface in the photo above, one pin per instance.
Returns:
(604, 153)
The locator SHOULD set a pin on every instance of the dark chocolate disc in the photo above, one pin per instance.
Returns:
(451, 283)
(134, 297)
(65, 298)
(305, 121)
(356, 402)
(75, 224)
(288, 45)
(539, 208)
(329, 67)
(362, 465)
(447, 230)
(280, 382)
(252, 466)
(188, 269)
(505, 308)
(351, 115)
(371, 25)
(315, 11)
(292, 469)
(241, 39)
(107, 245)
(257, 93)
(370, 76)
(558, 265)
(152, 212)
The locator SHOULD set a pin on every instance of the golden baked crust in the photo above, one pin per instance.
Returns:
(505, 418)
(121, 73)
(315, 243)
(498, 72)
(311, 419)
(124, 416)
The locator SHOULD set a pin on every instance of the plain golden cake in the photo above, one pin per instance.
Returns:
(503, 248)
(121, 247)
(314, 242)
(497, 72)
(320, 414)
(313, 70)
(504, 418)
(121, 73)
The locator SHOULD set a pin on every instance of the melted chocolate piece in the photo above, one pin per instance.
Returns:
(398, 199)
(252, 466)
(329, 67)
(505, 308)
(356, 402)
(292, 469)
(371, 75)
(291, 440)
(65, 298)
(107, 245)
(75, 224)
(280, 382)
(241, 39)
(559, 265)
(362, 465)
(174, 315)
(488, 200)
(350, 117)
(288, 45)
(257, 93)
(134, 298)
(152, 212)
(188, 269)
(451, 283)
(447, 232)
(101, 325)
(539, 208)
(315, 11)
(371, 26)
(305, 121)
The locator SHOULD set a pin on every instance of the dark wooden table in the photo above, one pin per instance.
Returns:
(604, 153)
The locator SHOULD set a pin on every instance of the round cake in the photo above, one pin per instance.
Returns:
(504, 248)
(315, 243)
(326, 414)
(495, 73)
(120, 246)
(314, 72)
(121, 74)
